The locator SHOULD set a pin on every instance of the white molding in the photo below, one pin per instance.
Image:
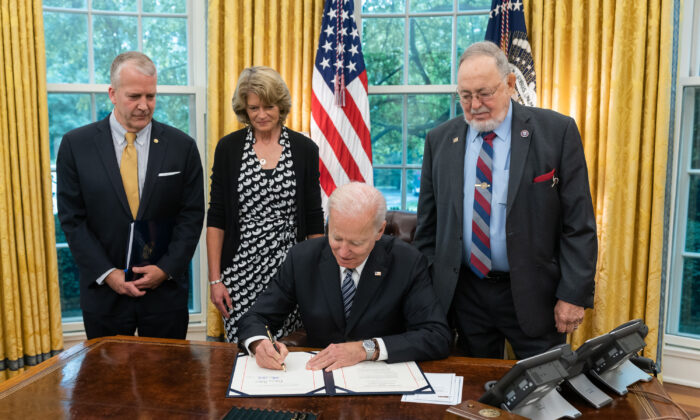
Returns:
(196, 331)
(681, 366)
(411, 89)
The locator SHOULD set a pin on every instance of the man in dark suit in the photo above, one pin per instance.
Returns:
(505, 216)
(110, 173)
(361, 295)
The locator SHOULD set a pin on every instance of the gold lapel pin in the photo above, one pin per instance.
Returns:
(455, 140)
(155, 141)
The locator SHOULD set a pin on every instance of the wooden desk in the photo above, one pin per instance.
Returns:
(131, 377)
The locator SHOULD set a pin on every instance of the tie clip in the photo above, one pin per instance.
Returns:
(483, 185)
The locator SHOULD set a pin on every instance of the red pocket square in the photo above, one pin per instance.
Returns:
(544, 177)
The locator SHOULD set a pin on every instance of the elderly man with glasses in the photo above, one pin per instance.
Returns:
(505, 216)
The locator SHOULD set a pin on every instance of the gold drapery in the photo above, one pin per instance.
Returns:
(282, 34)
(30, 308)
(608, 65)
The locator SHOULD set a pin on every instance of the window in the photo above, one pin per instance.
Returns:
(683, 306)
(411, 49)
(82, 39)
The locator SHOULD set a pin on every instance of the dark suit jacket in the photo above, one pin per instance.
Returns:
(550, 230)
(223, 203)
(394, 300)
(95, 215)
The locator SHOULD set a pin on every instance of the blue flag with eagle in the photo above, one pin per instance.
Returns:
(507, 29)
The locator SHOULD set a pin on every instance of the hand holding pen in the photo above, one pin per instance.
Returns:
(277, 348)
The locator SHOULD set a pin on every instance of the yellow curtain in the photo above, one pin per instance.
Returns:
(281, 34)
(608, 65)
(30, 309)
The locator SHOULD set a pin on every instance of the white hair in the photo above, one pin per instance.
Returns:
(489, 49)
(357, 197)
(139, 60)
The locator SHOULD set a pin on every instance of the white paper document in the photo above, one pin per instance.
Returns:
(250, 380)
(447, 386)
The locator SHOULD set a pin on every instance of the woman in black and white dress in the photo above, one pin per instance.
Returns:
(265, 197)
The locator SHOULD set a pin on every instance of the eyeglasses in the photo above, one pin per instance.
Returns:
(483, 95)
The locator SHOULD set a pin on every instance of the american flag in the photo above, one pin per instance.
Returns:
(339, 103)
(507, 29)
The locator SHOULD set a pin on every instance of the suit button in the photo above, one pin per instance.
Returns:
(455, 270)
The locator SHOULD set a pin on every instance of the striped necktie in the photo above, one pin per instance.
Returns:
(130, 173)
(348, 291)
(480, 256)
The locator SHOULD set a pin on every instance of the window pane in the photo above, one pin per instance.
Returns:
(690, 298)
(388, 181)
(425, 113)
(164, 6)
(103, 106)
(69, 284)
(67, 56)
(431, 6)
(165, 41)
(66, 112)
(383, 6)
(413, 189)
(383, 46)
(68, 4)
(470, 29)
(174, 110)
(430, 57)
(112, 36)
(692, 236)
(386, 116)
(116, 5)
(475, 5)
(695, 154)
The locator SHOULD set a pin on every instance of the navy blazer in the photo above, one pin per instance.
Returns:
(550, 228)
(95, 215)
(223, 203)
(394, 300)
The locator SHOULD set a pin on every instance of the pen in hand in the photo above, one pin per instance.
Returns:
(274, 345)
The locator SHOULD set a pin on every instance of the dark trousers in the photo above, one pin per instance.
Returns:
(484, 315)
(171, 324)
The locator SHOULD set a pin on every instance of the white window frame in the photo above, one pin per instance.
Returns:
(681, 353)
(74, 331)
(408, 90)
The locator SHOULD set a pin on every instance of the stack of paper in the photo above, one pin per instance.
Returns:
(447, 386)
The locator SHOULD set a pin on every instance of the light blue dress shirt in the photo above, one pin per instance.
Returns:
(141, 144)
(499, 191)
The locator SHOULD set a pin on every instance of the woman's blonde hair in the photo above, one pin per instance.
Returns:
(268, 85)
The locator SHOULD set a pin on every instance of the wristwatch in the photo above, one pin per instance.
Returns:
(370, 347)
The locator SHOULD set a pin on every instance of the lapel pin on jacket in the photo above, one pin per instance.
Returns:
(524, 133)
(455, 140)
(377, 273)
(155, 141)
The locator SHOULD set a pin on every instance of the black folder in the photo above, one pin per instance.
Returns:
(148, 242)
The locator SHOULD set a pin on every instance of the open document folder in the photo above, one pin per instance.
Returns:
(250, 380)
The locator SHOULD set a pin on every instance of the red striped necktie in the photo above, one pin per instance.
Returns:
(480, 256)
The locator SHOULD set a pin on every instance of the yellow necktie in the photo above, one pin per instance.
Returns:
(130, 173)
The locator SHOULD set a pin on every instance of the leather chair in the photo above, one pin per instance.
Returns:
(401, 224)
